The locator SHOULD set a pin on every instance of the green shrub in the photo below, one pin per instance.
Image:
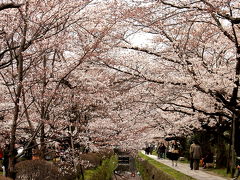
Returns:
(102, 172)
(36, 170)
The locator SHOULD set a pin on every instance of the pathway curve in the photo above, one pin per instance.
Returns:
(185, 169)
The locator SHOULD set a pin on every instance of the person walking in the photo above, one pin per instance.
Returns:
(191, 157)
(196, 151)
(152, 146)
(174, 153)
(147, 150)
(158, 150)
(162, 150)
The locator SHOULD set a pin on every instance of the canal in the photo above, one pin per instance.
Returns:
(126, 169)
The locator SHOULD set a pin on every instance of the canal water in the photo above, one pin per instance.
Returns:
(126, 169)
(126, 176)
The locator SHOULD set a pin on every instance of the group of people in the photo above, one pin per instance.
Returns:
(195, 152)
(160, 149)
(172, 152)
(149, 149)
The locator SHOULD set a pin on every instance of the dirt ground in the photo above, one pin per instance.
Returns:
(4, 178)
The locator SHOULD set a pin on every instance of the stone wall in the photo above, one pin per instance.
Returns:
(150, 172)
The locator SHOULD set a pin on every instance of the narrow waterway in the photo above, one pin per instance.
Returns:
(126, 169)
(126, 176)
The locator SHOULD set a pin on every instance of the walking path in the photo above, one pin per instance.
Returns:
(185, 169)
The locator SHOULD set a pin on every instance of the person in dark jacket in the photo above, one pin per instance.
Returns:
(162, 149)
(152, 146)
(173, 153)
(147, 150)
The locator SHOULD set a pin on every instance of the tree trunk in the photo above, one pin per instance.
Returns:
(233, 146)
(12, 153)
(35, 144)
(237, 135)
(228, 159)
(42, 142)
(43, 111)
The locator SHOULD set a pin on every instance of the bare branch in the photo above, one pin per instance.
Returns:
(9, 6)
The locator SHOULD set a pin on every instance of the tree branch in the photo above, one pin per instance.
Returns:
(9, 5)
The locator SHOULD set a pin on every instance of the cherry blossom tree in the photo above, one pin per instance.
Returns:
(46, 70)
(33, 26)
(193, 58)
(72, 72)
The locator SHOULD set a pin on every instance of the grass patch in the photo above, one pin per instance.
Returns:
(168, 170)
(154, 153)
(220, 172)
(89, 173)
(103, 172)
